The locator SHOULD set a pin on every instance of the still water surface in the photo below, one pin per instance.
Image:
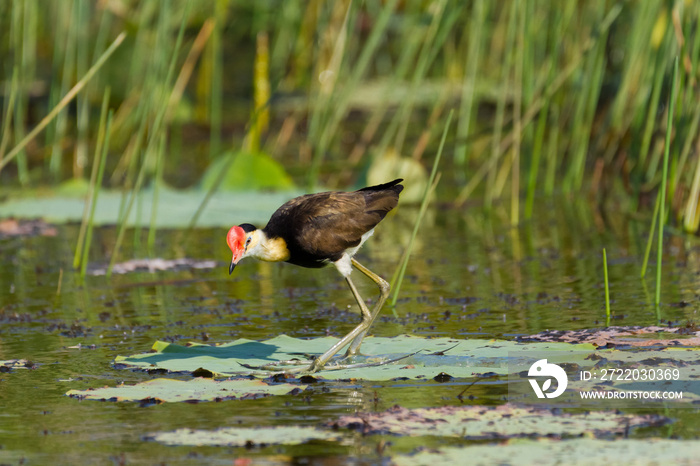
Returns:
(470, 276)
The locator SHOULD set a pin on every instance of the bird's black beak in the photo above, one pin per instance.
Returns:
(231, 267)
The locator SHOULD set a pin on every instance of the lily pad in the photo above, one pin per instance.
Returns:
(427, 358)
(8, 365)
(174, 209)
(623, 336)
(489, 423)
(545, 452)
(247, 171)
(154, 265)
(248, 437)
(612, 378)
(198, 389)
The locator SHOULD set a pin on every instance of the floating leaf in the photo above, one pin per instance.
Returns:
(74, 187)
(427, 358)
(248, 437)
(154, 265)
(247, 171)
(390, 165)
(198, 389)
(623, 336)
(546, 452)
(8, 365)
(633, 393)
(504, 421)
(175, 208)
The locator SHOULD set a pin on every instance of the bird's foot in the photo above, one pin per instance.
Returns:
(276, 366)
(316, 366)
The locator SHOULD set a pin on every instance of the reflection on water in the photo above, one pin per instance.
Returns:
(470, 275)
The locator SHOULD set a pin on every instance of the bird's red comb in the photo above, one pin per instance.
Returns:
(235, 238)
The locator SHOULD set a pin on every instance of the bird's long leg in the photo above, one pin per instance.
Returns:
(361, 329)
(355, 337)
(384, 289)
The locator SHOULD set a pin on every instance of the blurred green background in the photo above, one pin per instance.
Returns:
(549, 97)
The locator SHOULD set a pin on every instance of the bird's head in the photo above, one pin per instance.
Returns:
(241, 239)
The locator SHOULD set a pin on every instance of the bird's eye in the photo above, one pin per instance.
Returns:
(247, 242)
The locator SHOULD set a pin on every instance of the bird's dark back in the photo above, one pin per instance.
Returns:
(319, 227)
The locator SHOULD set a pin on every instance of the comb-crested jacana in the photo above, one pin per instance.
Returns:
(315, 230)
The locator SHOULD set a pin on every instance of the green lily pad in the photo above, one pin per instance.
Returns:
(612, 378)
(488, 423)
(684, 390)
(427, 358)
(546, 452)
(8, 365)
(636, 336)
(248, 437)
(247, 171)
(174, 209)
(198, 389)
(153, 265)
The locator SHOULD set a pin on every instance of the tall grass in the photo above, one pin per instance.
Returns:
(664, 178)
(547, 93)
(427, 194)
(607, 287)
(17, 150)
(95, 182)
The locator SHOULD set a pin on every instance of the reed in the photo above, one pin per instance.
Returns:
(64, 101)
(330, 109)
(664, 177)
(397, 279)
(79, 257)
(160, 104)
(466, 108)
(545, 91)
(95, 194)
(650, 238)
(607, 288)
(11, 93)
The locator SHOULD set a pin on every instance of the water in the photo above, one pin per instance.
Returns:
(470, 276)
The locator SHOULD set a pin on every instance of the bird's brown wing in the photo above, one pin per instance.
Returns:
(326, 224)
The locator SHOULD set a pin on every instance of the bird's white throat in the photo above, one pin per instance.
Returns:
(265, 249)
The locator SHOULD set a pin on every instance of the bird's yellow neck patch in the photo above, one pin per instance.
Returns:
(270, 250)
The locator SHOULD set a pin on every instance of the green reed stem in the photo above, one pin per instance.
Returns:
(216, 82)
(664, 178)
(500, 116)
(64, 66)
(95, 194)
(124, 220)
(82, 101)
(469, 81)
(330, 110)
(607, 288)
(78, 257)
(652, 111)
(432, 183)
(10, 103)
(662, 208)
(151, 148)
(157, 185)
(647, 252)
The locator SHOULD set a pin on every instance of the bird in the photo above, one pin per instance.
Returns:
(317, 230)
